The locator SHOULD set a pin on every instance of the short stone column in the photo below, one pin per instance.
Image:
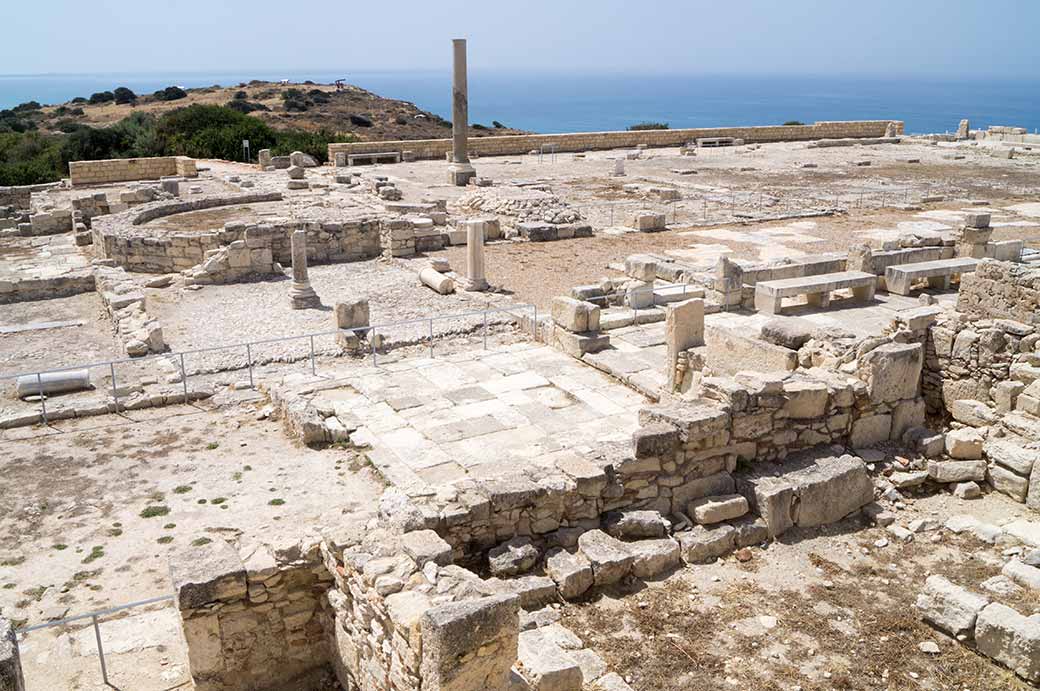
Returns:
(474, 279)
(461, 171)
(351, 315)
(301, 294)
(973, 238)
(684, 329)
(263, 157)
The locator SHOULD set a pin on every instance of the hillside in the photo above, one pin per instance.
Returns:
(307, 106)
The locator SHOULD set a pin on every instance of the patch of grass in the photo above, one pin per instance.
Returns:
(9, 586)
(12, 561)
(202, 501)
(212, 445)
(153, 511)
(165, 539)
(276, 502)
(247, 467)
(35, 593)
(237, 477)
(96, 553)
(115, 532)
(218, 500)
(182, 489)
(200, 541)
(169, 526)
(156, 497)
(60, 546)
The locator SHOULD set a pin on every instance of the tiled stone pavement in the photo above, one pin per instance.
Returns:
(482, 414)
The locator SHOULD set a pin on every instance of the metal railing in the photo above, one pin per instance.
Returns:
(94, 617)
(369, 332)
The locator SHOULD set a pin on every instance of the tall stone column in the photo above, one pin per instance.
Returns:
(461, 171)
(475, 279)
(301, 294)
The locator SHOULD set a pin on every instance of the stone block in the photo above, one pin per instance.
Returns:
(1011, 639)
(207, 574)
(470, 644)
(806, 399)
(545, 665)
(611, 681)
(610, 559)
(964, 444)
(352, 314)
(870, 430)
(641, 267)
(1025, 575)
(11, 678)
(633, 524)
(647, 221)
(573, 315)
(571, 572)
(717, 484)
(893, 371)
(957, 471)
(788, 332)
(425, 546)
(437, 281)
(512, 558)
(949, 607)
(703, 544)
(1007, 482)
(717, 509)
(653, 558)
(53, 382)
(658, 439)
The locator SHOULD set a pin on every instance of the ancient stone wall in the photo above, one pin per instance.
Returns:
(31, 289)
(18, 197)
(1001, 290)
(587, 141)
(125, 303)
(256, 622)
(126, 169)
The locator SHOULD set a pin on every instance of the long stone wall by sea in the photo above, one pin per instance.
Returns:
(126, 169)
(588, 141)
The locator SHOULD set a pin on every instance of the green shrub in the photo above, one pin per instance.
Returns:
(314, 143)
(793, 123)
(648, 126)
(102, 97)
(241, 95)
(246, 106)
(296, 106)
(360, 121)
(27, 106)
(171, 93)
(124, 95)
(78, 99)
(497, 125)
(211, 132)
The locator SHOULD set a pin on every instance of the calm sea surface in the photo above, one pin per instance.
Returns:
(575, 102)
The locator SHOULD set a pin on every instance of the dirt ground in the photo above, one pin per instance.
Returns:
(828, 609)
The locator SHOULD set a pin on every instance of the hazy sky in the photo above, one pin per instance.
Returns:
(882, 37)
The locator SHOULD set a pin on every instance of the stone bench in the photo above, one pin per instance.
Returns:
(718, 141)
(373, 158)
(817, 289)
(901, 277)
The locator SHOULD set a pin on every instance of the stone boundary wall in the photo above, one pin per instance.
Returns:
(18, 197)
(32, 289)
(253, 623)
(1001, 290)
(126, 169)
(124, 239)
(586, 141)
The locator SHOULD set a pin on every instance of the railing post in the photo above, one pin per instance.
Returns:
(249, 364)
(43, 403)
(313, 372)
(184, 379)
(374, 363)
(431, 338)
(101, 650)
(115, 391)
(485, 328)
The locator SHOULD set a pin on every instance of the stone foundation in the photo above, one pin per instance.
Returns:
(125, 169)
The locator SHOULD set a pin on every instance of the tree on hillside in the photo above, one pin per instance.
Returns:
(124, 95)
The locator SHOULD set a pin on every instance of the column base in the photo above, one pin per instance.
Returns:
(471, 286)
(459, 174)
(302, 297)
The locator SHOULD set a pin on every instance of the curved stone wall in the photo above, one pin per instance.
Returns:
(126, 238)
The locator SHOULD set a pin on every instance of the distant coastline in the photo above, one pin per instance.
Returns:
(573, 102)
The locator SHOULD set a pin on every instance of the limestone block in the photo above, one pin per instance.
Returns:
(426, 546)
(647, 221)
(1025, 575)
(973, 413)
(907, 415)
(716, 484)
(611, 681)
(703, 544)
(206, 574)
(653, 558)
(1007, 482)
(964, 444)
(545, 665)
(950, 608)
(1011, 639)
(750, 530)
(806, 399)
(641, 267)
(470, 644)
(870, 430)
(533, 591)
(967, 490)
(572, 314)
(351, 314)
(512, 558)
(296, 172)
(1033, 494)
(957, 471)
(658, 439)
(632, 524)
(571, 572)
(788, 332)
(716, 509)
(893, 371)
(611, 560)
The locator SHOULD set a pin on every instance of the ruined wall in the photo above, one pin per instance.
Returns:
(1001, 290)
(31, 289)
(257, 624)
(125, 169)
(587, 141)
(18, 197)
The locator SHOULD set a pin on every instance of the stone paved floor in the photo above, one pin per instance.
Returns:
(482, 414)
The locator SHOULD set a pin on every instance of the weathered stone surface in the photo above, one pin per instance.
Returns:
(470, 644)
(703, 544)
(575, 315)
(1012, 455)
(717, 509)
(717, 484)
(967, 490)
(1003, 480)
(893, 371)
(750, 530)
(964, 443)
(950, 607)
(11, 678)
(973, 413)
(789, 332)
(641, 267)
(631, 524)
(1023, 574)
(206, 574)
(425, 546)
(806, 399)
(610, 558)
(611, 681)
(652, 558)
(1011, 639)
(351, 314)
(1024, 530)
(870, 430)
(533, 591)
(957, 471)
(571, 572)
(545, 665)
(514, 557)
(655, 439)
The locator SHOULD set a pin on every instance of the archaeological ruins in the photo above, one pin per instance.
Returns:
(740, 407)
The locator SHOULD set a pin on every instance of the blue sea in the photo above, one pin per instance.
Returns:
(562, 102)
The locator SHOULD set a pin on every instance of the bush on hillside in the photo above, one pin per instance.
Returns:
(648, 126)
(241, 95)
(102, 97)
(29, 159)
(246, 106)
(293, 105)
(171, 93)
(26, 107)
(793, 123)
(360, 121)
(124, 95)
(211, 132)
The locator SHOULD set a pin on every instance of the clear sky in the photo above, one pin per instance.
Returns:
(943, 38)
